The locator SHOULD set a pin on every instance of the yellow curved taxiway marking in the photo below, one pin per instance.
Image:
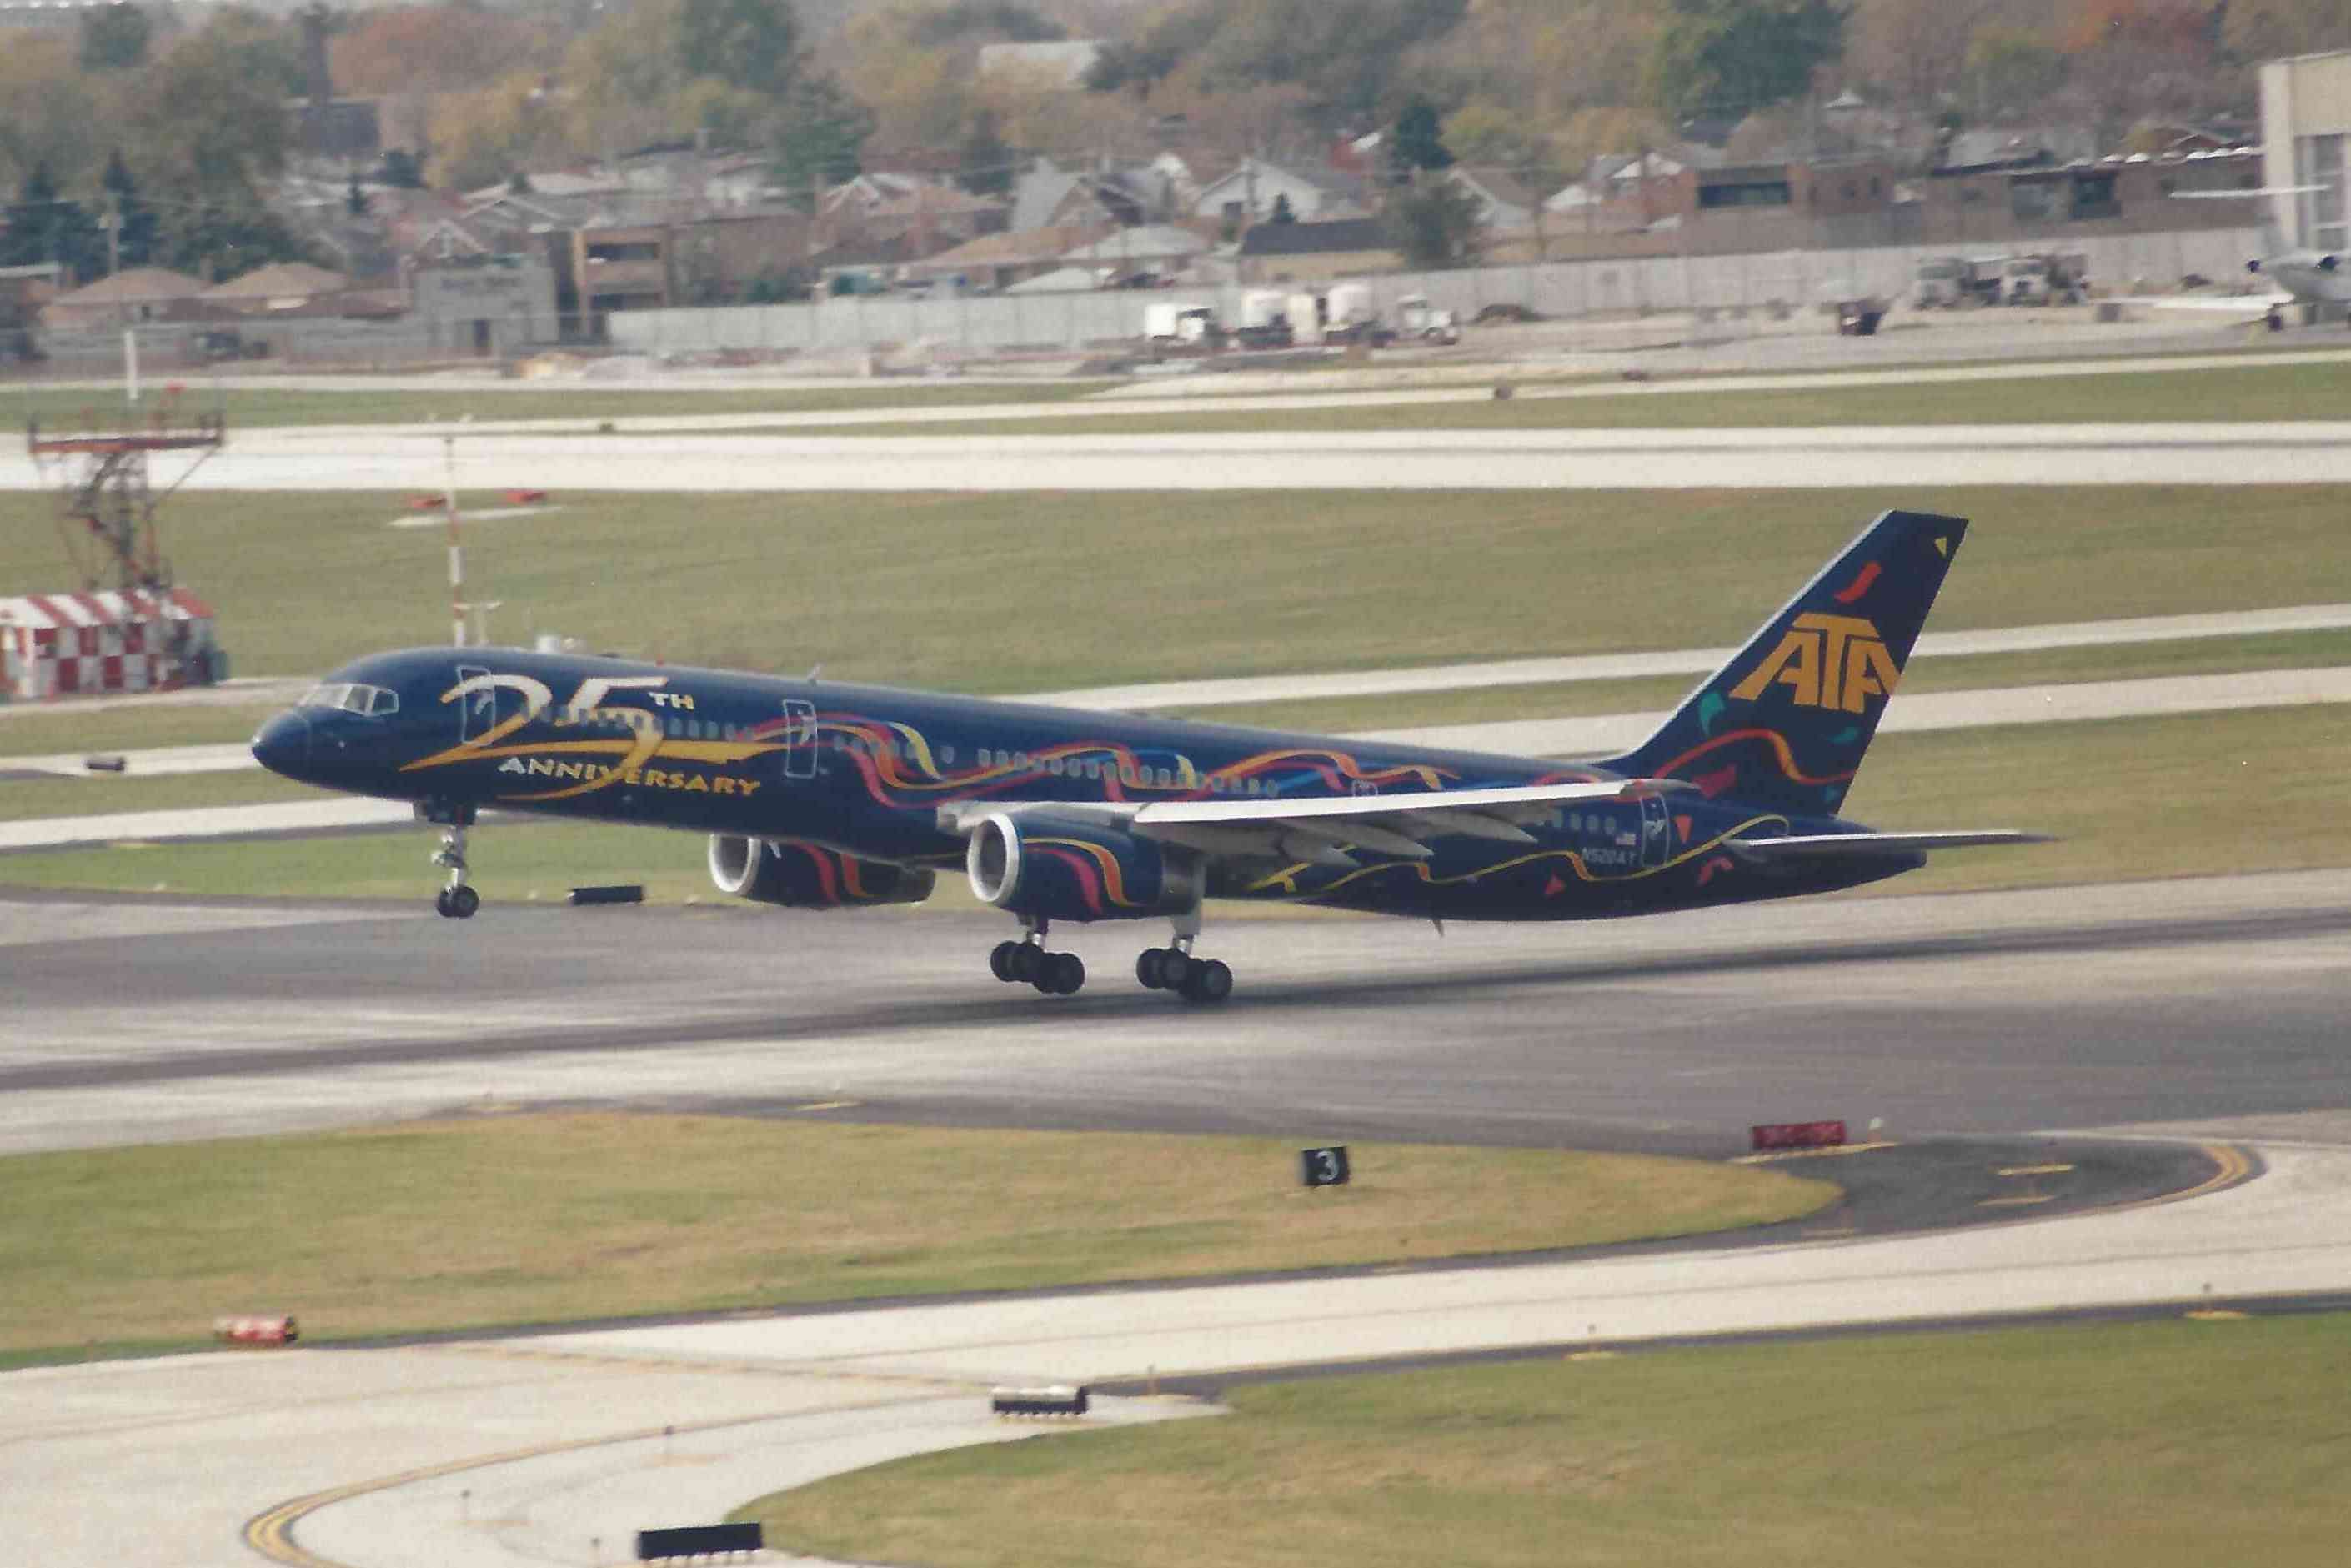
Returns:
(271, 1532)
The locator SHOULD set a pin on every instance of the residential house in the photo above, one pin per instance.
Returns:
(997, 261)
(1316, 252)
(281, 287)
(1254, 188)
(1159, 250)
(1504, 201)
(135, 295)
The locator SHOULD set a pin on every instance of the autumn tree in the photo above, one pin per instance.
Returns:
(2272, 29)
(49, 112)
(1726, 59)
(414, 49)
(2010, 71)
(753, 45)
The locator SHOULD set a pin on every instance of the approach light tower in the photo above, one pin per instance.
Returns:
(106, 500)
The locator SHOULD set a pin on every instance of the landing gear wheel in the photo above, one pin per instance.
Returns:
(1207, 980)
(1061, 974)
(1022, 964)
(1000, 961)
(1162, 969)
(441, 903)
(462, 901)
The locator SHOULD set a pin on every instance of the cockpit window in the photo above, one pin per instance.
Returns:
(352, 697)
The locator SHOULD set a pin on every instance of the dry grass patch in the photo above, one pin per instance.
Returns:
(545, 1218)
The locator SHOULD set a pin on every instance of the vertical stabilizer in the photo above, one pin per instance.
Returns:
(1785, 721)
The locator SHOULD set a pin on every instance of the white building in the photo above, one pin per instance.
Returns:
(2305, 131)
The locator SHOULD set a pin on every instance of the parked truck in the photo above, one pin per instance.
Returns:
(1416, 319)
(1175, 323)
(2047, 279)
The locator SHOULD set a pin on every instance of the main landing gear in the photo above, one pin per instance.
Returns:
(1026, 962)
(1172, 968)
(457, 901)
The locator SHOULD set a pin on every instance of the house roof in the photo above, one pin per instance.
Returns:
(1343, 235)
(1014, 248)
(136, 283)
(281, 280)
(1500, 185)
(1145, 241)
(1060, 281)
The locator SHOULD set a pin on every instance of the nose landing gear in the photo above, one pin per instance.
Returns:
(457, 901)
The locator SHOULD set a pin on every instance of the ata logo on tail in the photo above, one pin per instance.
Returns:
(1830, 660)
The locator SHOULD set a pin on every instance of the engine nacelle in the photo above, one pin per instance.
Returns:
(1060, 869)
(801, 875)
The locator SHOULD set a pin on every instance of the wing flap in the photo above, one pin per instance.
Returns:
(1812, 845)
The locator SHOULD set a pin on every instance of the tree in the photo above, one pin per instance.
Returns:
(355, 200)
(115, 37)
(135, 222)
(206, 127)
(1417, 143)
(985, 160)
(819, 135)
(398, 49)
(1435, 225)
(1281, 213)
(43, 226)
(1726, 59)
(2010, 70)
(749, 44)
(2270, 29)
(49, 112)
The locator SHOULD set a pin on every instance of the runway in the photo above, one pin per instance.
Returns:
(2103, 1009)
(1980, 1013)
(2312, 451)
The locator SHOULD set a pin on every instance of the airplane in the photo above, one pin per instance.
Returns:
(2297, 275)
(819, 795)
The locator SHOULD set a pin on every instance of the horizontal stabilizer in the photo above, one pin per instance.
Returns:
(1809, 845)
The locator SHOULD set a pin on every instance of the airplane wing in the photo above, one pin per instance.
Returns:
(1322, 830)
(2246, 305)
(1809, 845)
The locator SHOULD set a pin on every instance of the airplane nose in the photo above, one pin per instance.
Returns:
(283, 745)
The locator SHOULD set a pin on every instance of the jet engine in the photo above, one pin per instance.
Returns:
(1060, 869)
(801, 875)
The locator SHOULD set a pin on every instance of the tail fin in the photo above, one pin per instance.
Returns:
(1785, 722)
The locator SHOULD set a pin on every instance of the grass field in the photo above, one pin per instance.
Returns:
(2170, 1445)
(248, 408)
(2261, 393)
(2204, 794)
(545, 1218)
(1030, 592)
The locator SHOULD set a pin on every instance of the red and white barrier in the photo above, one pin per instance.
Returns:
(72, 644)
(256, 1331)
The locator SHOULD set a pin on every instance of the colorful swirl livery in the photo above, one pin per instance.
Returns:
(817, 795)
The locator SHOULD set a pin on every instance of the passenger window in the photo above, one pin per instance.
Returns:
(947, 756)
(1167, 779)
(1020, 760)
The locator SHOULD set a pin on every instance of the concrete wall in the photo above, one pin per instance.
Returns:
(1557, 289)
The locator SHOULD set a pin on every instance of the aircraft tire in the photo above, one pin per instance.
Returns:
(462, 901)
(1209, 980)
(1000, 961)
(441, 903)
(1061, 974)
(1022, 964)
(1146, 970)
(1175, 967)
